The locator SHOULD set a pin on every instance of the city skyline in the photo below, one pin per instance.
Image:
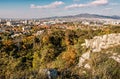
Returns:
(48, 8)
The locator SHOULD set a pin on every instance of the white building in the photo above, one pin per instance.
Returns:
(8, 23)
(85, 23)
(112, 22)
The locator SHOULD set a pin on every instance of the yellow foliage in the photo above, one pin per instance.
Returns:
(7, 42)
(67, 41)
(45, 39)
(28, 39)
(69, 56)
(24, 46)
(107, 30)
(36, 60)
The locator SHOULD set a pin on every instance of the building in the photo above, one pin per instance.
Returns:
(8, 23)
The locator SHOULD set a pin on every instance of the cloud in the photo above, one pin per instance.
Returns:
(114, 4)
(106, 9)
(99, 2)
(93, 3)
(76, 0)
(49, 6)
(75, 6)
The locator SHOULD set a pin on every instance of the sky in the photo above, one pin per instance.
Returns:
(49, 8)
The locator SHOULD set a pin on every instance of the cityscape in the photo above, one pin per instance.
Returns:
(59, 39)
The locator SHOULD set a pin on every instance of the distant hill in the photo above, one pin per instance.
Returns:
(86, 15)
(96, 16)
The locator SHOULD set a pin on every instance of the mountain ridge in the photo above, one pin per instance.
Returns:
(87, 15)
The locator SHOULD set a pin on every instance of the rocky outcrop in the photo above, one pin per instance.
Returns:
(102, 42)
(84, 58)
(97, 44)
(115, 57)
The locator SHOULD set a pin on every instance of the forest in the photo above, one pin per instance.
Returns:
(24, 57)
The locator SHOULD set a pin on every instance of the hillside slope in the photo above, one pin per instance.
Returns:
(61, 50)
